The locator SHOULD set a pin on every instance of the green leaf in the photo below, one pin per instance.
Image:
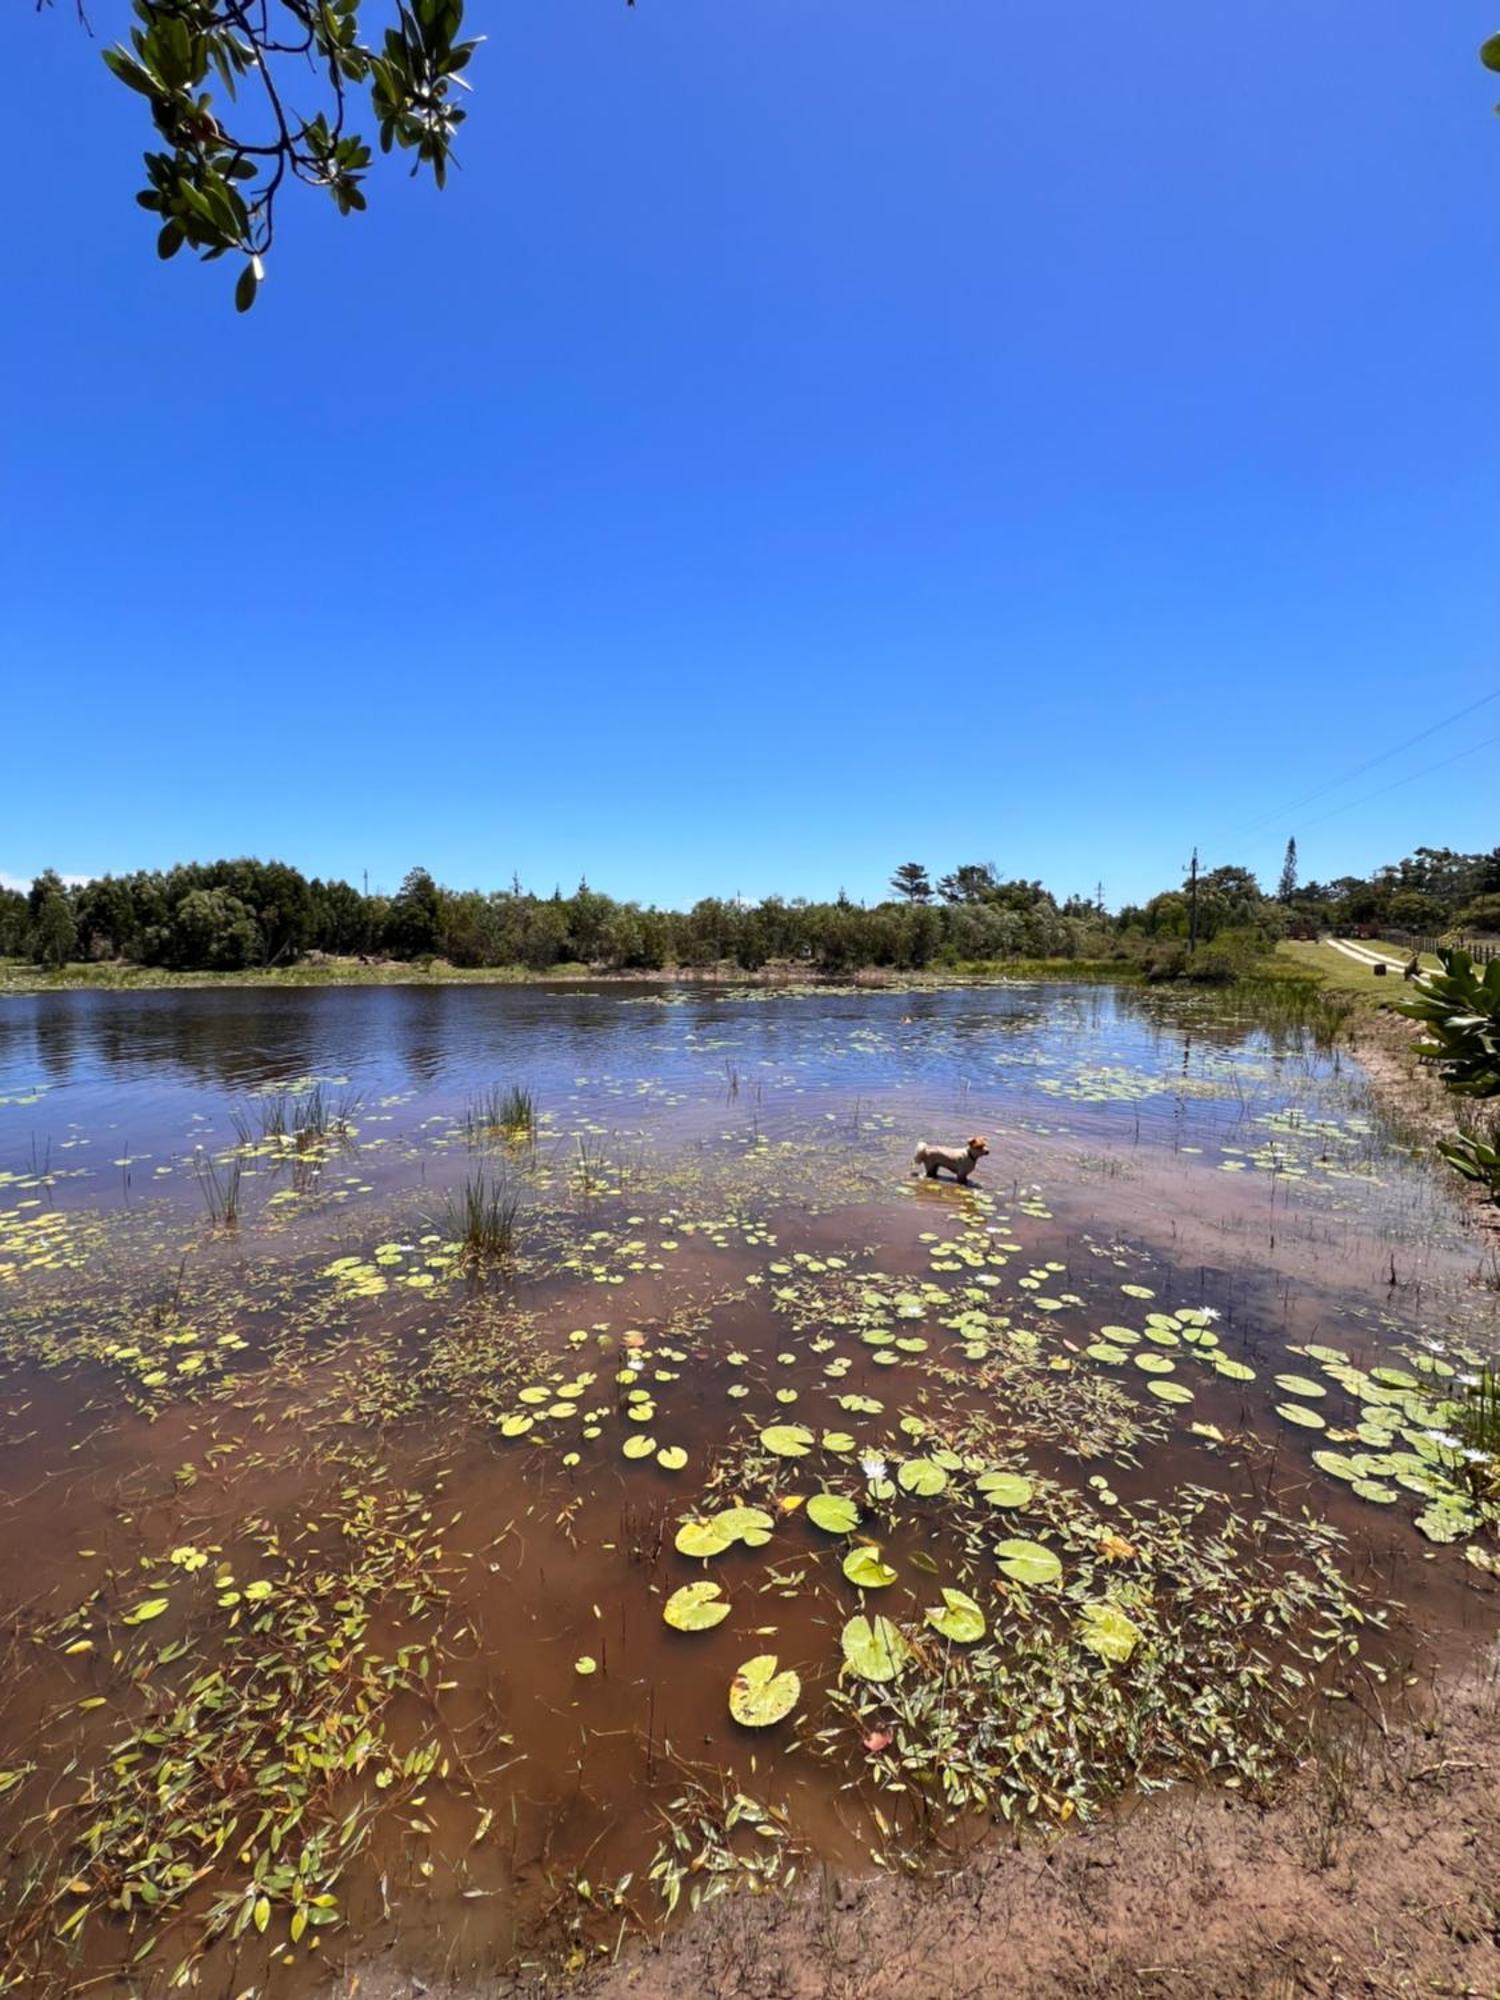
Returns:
(152, 1607)
(760, 1694)
(921, 1477)
(787, 1440)
(1004, 1489)
(958, 1618)
(696, 1607)
(864, 1567)
(832, 1513)
(1028, 1562)
(246, 287)
(1105, 1630)
(874, 1648)
(1489, 53)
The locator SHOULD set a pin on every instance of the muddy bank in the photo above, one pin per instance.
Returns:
(1371, 1874)
(1414, 1098)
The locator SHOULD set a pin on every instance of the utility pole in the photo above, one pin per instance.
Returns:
(1193, 904)
(367, 885)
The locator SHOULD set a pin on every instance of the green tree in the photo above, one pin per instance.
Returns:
(247, 100)
(214, 931)
(910, 881)
(53, 938)
(1286, 888)
(414, 924)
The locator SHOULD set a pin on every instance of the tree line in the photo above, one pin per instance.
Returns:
(235, 915)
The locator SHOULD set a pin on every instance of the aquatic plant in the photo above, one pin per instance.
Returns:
(500, 1114)
(220, 1190)
(481, 1218)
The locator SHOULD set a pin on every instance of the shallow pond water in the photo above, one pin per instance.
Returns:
(335, 1563)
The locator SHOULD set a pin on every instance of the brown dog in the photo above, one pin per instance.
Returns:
(959, 1164)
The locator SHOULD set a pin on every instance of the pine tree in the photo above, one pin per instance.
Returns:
(1287, 887)
(910, 880)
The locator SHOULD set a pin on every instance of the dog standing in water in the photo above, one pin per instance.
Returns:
(960, 1163)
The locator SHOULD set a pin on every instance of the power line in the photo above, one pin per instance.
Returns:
(1396, 783)
(1359, 770)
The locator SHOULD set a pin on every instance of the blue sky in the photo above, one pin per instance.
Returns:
(801, 439)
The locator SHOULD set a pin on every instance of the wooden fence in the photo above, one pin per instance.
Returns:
(1481, 950)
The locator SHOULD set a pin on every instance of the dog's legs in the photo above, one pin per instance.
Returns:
(932, 1170)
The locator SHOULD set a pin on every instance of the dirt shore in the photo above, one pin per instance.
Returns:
(1414, 1097)
(1372, 1876)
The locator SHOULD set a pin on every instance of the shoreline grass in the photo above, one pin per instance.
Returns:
(20, 978)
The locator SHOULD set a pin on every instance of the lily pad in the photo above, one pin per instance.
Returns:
(1104, 1628)
(1298, 1413)
(702, 1538)
(958, 1618)
(864, 1567)
(696, 1607)
(787, 1440)
(761, 1693)
(922, 1477)
(831, 1512)
(1004, 1489)
(874, 1648)
(1028, 1562)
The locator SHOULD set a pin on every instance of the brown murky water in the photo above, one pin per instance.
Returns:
(333, 1568)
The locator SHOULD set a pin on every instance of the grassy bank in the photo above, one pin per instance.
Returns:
(1337, 970)
(18, 977)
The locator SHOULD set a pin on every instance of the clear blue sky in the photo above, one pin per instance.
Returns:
(801, 439)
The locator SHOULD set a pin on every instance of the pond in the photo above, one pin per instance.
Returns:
(486, 1467)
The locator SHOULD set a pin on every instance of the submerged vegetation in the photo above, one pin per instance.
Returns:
(561, 1504)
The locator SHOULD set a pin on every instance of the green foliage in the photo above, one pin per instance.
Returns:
(1460, 1009)
(222, 80)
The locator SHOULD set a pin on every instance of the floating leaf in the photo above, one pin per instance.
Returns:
(874, 1648)
(1104, 1628)
(832, 1513)
(585, 1664)
(1028, 1562)
(1300, 1385)
(1004, 1489)
(759, 1694)
(1298, 1413)
(638, 1447)
(921, 1477)
(1170, 1392)
(151, 1607)
(958, 1618)
(671, 1458)
(696, 1607)
(702, 1538)
(787, 1440)
(864, 1567)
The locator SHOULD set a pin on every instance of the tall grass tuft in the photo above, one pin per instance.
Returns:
(220, 1191)
(481, 1219)
(303, 1119)
(500, 1114)
(1476, 1424)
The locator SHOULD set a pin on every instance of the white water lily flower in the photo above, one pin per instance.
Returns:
(1448, 1441)
(1210, 1312)
(873, 1466)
